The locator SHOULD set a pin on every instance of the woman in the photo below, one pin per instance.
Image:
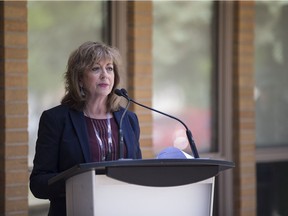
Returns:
(84, 128)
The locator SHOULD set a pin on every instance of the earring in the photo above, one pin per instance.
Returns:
(82, 91)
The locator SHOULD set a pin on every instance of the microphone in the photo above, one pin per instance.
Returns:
(124, 93)
(120, 132)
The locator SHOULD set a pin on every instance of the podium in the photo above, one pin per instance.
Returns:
(152, 187)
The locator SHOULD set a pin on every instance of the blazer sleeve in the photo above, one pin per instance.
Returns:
(46, 158)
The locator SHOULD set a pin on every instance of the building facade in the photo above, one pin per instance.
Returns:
(131, 30)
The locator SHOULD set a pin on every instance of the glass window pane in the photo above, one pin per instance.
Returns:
(54, 30)
(182, 69)
(272, 189)
(271, 90)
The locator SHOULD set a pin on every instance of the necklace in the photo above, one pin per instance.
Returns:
(105, 155)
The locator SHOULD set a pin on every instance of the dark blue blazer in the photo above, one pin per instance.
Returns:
(63, 143)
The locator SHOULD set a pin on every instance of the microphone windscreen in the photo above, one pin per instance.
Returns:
(124, 92)
(118, 92)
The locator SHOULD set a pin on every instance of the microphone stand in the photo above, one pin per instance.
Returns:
(121, 138)
(188, 132)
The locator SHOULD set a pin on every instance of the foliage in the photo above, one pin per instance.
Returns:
(55, 29)
(182, 50)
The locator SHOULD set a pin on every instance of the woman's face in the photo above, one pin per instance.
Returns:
(99, 79)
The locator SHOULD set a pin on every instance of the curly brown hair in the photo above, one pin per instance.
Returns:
(82, 59)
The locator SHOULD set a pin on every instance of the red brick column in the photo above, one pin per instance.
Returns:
(243, 110)
(139, 65)
(13, 109)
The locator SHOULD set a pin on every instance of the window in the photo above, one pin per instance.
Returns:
(183, 56)
(192, 53)
(272, 188)
(271, 43)
(271, 90)
(55, 30)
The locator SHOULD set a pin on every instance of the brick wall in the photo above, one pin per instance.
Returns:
(13, 109)
(243, 110)
(139, 64)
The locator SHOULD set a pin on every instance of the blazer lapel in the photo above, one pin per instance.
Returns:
(80, 127)
(117, 116)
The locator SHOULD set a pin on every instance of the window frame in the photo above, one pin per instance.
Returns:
(117, 34)
(224, 106)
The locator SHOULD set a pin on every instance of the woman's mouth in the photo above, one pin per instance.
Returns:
(103, 85)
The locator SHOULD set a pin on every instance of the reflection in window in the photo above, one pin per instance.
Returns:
(182, 57)
(271, 90)
(54, 29)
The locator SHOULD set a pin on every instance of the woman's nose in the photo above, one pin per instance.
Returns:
(104, 72)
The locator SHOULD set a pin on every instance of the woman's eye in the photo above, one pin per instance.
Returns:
(96, 69)
(110, 69)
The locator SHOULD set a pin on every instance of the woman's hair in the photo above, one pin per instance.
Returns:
(79, 61)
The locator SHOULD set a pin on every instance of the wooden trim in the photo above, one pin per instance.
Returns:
(271, 154)
(225, 129)
(118, 34)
